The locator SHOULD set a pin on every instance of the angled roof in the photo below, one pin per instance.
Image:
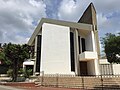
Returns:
(58, 22)
(89, 16)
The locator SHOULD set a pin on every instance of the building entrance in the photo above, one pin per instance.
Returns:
(83, 68)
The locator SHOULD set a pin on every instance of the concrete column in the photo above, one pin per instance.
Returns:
(34, 70)
(97, 69)
(96, 62)
(23, 67)
(93, 41)
(77, 67)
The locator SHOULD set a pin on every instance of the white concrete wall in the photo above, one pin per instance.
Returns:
(116, 69)
(93, 67)
(96, 62)
(88, 55)
(103, 61)
(90, 67)
(97, 67)
(55, 55)
(89, 43)
(93, 41)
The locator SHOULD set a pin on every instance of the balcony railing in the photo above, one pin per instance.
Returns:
(88, 55)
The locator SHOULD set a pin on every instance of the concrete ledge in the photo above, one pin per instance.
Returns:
(88, 55)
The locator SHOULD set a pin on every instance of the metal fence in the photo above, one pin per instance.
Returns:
(83, 82)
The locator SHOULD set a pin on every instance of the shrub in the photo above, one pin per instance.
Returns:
(27, 73)
(10, 72)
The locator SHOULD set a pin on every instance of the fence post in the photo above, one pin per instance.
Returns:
(102, 81)
(57, 80)
(111, 68)
(42, 78)
(82, 82)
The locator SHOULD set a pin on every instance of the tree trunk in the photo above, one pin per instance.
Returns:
(15, 70)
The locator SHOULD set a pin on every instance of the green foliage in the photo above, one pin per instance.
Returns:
(2, 55)
(4, 59)
(15, 54)
(19, 78)
(10, 72)
(20, 71)
(27, 73)
(111, 44)
(14, 51)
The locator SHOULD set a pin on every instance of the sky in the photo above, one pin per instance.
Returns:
(18, 18)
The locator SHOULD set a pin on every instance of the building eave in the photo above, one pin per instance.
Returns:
(59, 22)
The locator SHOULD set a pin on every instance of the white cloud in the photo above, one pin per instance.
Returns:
(34, 3)
(18, 19)
(102, 19)
(108, 13)
(107, 6)
(72, 10)
(66, 9)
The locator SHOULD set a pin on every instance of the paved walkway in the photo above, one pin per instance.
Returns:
(9, 88)
(49, 88)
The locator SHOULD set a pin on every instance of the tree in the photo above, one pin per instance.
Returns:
(2, 55)
(111, 44)
(3, 58)
(16, 54)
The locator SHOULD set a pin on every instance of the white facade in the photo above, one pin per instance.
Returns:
(55, 55)
(90, 55)
(55, 50)
(63, 47)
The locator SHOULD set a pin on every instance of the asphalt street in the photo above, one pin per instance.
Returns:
(8, 88)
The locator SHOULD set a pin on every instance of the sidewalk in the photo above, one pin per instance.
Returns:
(50, 88)
(9, 88)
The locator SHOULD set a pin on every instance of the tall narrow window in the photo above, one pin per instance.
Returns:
(79, 44)
(72, 51)
(83, 44)
(38, 56)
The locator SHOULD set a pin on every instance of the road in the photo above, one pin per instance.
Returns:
(34, 88)
(8, 88)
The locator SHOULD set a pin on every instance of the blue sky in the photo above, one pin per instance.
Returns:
(18, 18)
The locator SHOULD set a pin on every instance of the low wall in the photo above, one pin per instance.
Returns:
(116, 69)
(107, 68)
(84, 82)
